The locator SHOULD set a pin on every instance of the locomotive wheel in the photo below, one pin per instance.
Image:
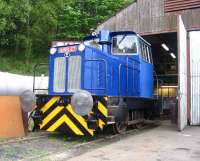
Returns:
(31, 124)
(139, 125)
(120, 127)
(121, 116)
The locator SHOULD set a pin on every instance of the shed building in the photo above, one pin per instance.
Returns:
(173, 29)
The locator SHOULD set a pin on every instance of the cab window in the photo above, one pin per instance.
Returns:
(124, 44)
(146, 52)
(151, 58)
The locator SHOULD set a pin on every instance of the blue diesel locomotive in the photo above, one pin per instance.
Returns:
(106, 80)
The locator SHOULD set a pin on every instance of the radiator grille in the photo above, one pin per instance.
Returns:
(59, 74)
(74, 73)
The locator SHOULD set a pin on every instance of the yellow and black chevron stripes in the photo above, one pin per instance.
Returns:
(102, 112)
(51, 116)
(80, 119)
(101, 123)
(63, 118)
(52, 101)
(102, 109)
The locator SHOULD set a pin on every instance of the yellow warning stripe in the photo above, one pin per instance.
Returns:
(80, 119)
(51, 116)
(101, 123)
(65, 119)
(49, 104)
(102, 109)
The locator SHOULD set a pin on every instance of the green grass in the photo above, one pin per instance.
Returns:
(18, 64)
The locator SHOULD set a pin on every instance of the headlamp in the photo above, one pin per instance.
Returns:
(82, 102)
(53, 51)
(81, 47)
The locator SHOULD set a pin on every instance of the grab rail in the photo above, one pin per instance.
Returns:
(34, 75)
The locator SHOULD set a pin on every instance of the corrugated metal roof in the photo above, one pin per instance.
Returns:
(177, 5)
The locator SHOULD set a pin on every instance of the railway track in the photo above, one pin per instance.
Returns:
(24, 139)
(101, 140)
(58, 148)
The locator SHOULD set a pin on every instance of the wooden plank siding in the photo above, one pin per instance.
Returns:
(150, 17)
(177, 5)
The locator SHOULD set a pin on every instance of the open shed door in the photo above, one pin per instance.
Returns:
(195, 77)
(182, 72)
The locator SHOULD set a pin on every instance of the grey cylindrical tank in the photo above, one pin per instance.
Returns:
(15, 85)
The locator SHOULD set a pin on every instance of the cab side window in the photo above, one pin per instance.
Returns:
(143, 53)
(150, 54)
(146, 52)
(124, 44)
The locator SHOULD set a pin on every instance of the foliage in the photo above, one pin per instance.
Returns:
(27, 27)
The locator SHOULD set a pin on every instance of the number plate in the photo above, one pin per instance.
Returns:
(67, 49)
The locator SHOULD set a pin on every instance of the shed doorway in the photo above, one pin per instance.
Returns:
(165, 59)
(171, 61)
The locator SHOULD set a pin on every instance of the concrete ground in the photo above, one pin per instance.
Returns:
(163, 143)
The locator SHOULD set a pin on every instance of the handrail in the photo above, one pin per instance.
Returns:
(157, 83)
(34, 75)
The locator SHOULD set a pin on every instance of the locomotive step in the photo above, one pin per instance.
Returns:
(110, 120)
(135, 121)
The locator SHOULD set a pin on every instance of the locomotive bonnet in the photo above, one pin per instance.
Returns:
(106, 79)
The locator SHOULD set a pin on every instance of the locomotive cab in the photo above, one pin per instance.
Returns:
(105, 80)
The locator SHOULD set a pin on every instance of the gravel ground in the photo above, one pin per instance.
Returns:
(43, 146)
(36, 145)
(161, 143)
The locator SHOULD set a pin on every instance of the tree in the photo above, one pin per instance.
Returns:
(27, 27)
(78, 17)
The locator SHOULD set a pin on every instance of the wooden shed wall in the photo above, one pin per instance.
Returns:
(149, 17)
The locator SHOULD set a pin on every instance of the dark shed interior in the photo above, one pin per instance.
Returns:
(165, 58)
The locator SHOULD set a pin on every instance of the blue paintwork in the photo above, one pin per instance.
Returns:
(105, 74)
